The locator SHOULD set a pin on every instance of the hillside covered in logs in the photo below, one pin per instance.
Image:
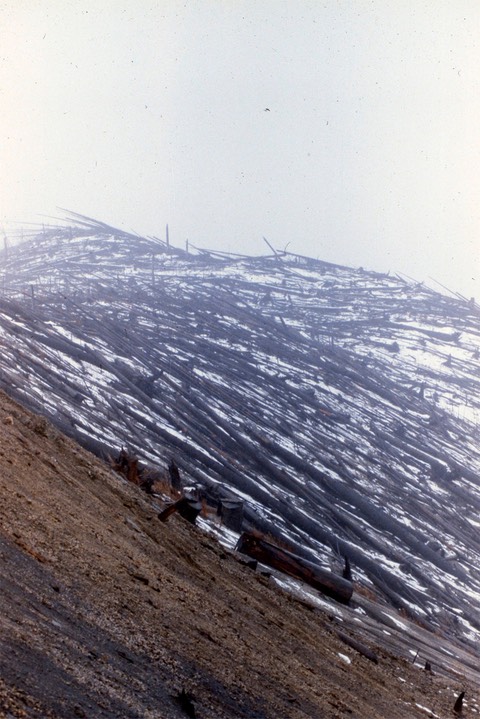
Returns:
(341, 405)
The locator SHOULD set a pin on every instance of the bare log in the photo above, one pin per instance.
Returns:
(358, 646)
(330, 584)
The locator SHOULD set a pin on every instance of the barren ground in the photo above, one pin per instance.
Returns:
(106, 612)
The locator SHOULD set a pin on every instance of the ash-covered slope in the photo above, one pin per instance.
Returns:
(107, 613)
(343, 405)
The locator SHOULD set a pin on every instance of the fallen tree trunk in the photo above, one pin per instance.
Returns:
(189, 507)
(358, 646)
(330, 584)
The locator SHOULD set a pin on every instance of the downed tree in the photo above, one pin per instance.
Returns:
(358, 646)
(328, 583)
(189, 507)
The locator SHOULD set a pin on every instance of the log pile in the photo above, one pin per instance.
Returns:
(274, 376)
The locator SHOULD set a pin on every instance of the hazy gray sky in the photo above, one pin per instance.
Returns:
(350, 130)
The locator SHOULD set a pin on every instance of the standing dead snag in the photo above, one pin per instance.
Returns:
(330, 584)
(347, 571)
(129, 466)
(185, 701)
(231, 512)
(132, 471)
(174, 475)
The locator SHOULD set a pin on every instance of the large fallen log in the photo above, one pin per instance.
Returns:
(265, 552)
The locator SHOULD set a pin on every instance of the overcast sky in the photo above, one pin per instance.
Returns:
(350, 130)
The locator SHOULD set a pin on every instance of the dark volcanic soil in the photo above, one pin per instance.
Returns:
(107, 612)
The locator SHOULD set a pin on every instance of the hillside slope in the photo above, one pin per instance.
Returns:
(341, 405)
(107, 612)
